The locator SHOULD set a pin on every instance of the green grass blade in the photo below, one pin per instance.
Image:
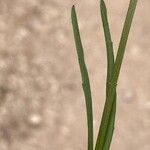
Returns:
(123, 40)
(116, 70)
(109, 43)
(110, 65)
(85, 78)
(110, 62)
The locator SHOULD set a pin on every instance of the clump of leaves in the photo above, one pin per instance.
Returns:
(106, 129)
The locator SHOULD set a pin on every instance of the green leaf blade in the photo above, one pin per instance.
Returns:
(124, 38)
(104, 141)
(109, 43)
(85, 77)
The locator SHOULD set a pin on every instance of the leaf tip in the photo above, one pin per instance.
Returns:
(73, 11)
(73, 8)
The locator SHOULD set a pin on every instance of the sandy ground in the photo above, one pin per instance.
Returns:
(42, 105)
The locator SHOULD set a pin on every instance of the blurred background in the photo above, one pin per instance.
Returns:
(42, 105)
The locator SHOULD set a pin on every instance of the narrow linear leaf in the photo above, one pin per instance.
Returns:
(85, 78)
(110, 64)
(116, 70)
(109, 43)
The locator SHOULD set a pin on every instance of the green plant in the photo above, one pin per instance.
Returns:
(105, 133)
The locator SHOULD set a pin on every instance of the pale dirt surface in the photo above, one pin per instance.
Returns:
(41, 100)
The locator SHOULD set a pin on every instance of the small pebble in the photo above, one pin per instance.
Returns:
(35, 120)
